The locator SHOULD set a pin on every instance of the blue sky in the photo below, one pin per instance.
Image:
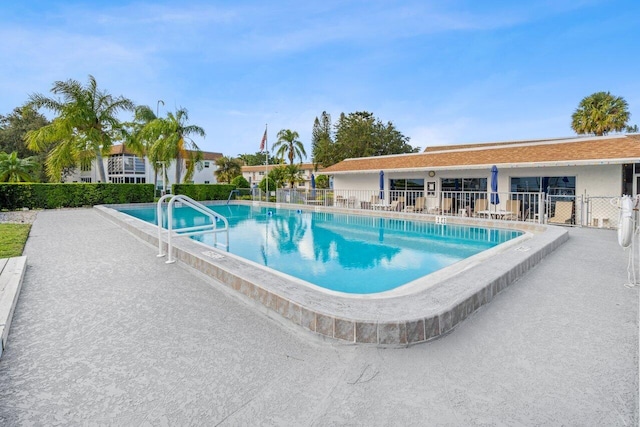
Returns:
(444, 72)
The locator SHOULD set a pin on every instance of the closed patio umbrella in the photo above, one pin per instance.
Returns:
(495, 198)
(313, 185)
(381, 185)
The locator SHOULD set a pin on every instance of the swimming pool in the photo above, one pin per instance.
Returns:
(341, 252)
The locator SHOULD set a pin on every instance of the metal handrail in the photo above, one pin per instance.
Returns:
(236, 191)
(188, 231)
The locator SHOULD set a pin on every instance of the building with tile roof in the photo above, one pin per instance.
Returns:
(596, 166)
(255, 174)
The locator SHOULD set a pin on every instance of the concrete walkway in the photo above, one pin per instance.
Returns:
(106, 333)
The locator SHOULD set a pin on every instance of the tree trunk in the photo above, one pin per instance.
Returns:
(100, 164)
(155, 179)
(178, 168)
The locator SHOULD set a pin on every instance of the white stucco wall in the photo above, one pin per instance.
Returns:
(594, 180)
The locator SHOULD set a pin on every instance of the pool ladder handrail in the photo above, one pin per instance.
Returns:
(188, 231)
(236, 191)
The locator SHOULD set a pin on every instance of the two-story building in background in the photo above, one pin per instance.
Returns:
(122, 166)
(255, 174)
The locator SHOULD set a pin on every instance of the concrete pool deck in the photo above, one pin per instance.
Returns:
(421, 311)
(105, 333)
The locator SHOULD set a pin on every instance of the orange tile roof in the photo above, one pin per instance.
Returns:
(260, 168)
(593, 150)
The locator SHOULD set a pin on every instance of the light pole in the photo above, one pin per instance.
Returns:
(158, 107)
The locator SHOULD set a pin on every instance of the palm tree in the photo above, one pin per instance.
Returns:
(292, 175)
(173, 141)
(228, 168)
(277, 177)
(14, 169)
(288, 144)
(85, 128)
(137, 141)
(599, 114)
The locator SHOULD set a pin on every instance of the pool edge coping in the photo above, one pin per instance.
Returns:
(398, 320)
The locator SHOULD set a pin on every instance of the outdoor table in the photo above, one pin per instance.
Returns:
(381, 206)
(498, 214)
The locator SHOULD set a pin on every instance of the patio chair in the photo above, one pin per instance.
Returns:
(394, 206)
(445, 208)
(562, 214)
(480, 208)
(513, 210)
(352, 201)
(419, 206)
(446, 205)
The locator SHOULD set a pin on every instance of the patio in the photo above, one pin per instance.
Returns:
(106, 333)
(539, 207)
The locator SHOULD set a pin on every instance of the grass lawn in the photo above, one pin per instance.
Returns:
(12, 239)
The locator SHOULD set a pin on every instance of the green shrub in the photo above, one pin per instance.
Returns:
(322, 181)
(204, 191)
(263, 184)
(240, 182)
(69, 195)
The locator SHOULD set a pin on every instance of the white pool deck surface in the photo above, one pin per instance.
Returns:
(106, 333)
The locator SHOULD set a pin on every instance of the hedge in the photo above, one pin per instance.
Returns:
(204, 191)
(50, 196)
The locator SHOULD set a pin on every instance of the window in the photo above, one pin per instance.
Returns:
(85, 165)
(138, 165)
(206, 182)
(114, 165)
(464, 184)
(206, 165)
(410, 188)
(83, 179)
(554, 185)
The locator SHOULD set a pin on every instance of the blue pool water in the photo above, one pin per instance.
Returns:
(346, 253)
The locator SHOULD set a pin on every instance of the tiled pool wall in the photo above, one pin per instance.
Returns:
(396, 320)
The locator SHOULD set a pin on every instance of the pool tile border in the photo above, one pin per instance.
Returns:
(398, 320)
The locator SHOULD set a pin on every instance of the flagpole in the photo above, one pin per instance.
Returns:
(266, 161)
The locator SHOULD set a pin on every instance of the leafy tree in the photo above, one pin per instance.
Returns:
(140, 142)
(14, 127)
(288, 144)
(322, 181)
(85, 127)
(172, 136)
(256, 159)
(277, 175)
(292, 175)
(263, 184)
(15, 169)
(322, 146)
(632, 129)
(228, 169)
(240, 182)
(599, 114)
(360, 134)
